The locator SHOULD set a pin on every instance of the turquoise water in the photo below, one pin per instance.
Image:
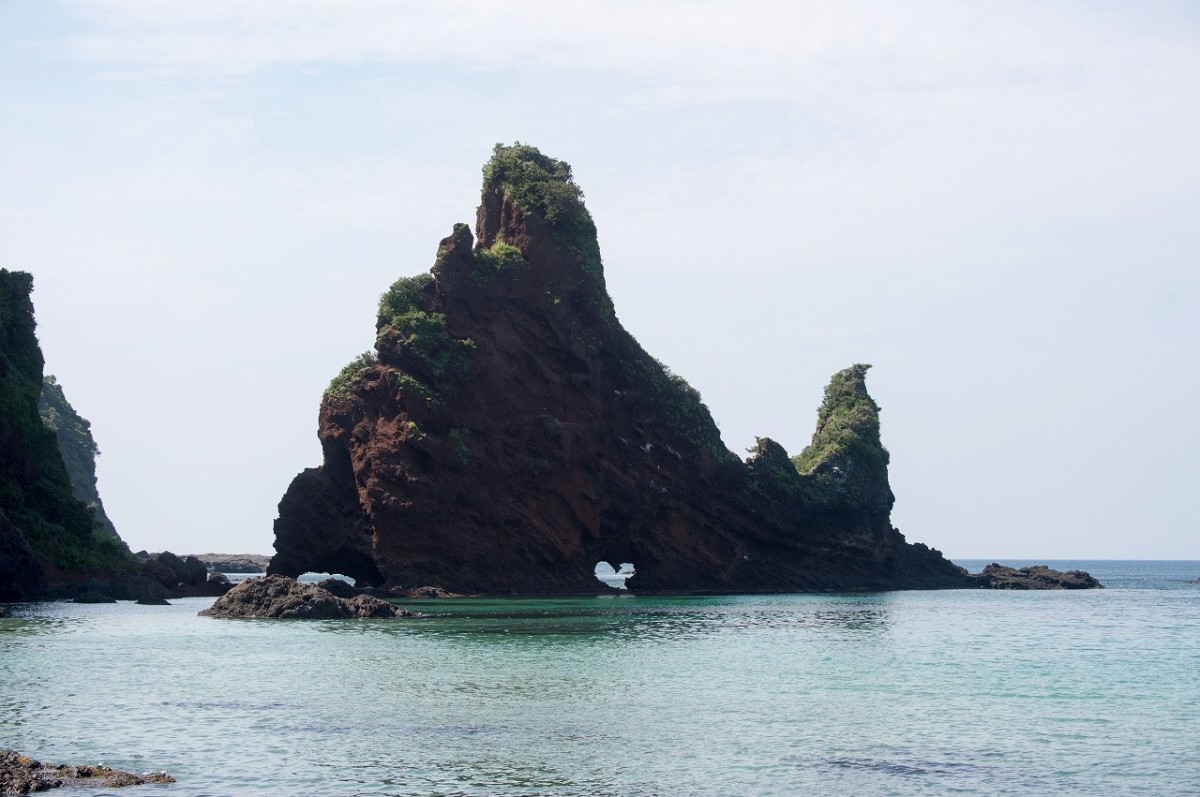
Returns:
(913, 693)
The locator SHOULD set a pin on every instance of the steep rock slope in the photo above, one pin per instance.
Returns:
(509, 434)
(46, 534)
(78, 448)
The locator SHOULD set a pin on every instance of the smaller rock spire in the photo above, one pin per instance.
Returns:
(846, 456)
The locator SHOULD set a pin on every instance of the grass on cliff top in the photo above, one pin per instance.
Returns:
(340, 385)
(847, 424)
(545, 187)
(404, 296)
(422, 333)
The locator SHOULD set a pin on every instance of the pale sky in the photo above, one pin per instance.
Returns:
(996, 204)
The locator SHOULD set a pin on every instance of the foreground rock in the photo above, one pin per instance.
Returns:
(22, 775)
(997, 576)
(285, 598)
(508, 433)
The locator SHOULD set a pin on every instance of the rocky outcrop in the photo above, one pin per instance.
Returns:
(507, 434)
(996, 576)
(173, 572)
(180, 577)
(93, 596)
(78, 448)
(335, 586)
(156, 577)
(22, 775)
(235, 562)
(285, 598)
(62, 542)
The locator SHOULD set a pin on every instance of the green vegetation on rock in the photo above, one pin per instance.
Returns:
(425, 335)
(770, 471)
(36, 494)
(340, 385)
(78, 447)
(421, 332)
(677, 404)
(495, 259)
(846, 452)
(544, 186)
(462, 447)
(406, 295)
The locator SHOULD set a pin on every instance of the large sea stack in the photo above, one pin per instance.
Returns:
(509, 434)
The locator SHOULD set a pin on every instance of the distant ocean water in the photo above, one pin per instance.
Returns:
(904, 693)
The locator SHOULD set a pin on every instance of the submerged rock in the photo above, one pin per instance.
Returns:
(153, 602)
(997, 576)
(281, 597)
(21, 775)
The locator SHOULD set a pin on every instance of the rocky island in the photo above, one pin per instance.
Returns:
(280, 597)
(507, 433)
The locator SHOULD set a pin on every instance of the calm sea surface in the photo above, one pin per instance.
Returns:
(907, 693)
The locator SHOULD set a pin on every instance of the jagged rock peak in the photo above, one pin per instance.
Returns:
(846, 456)
(519, 181)
(531, 212)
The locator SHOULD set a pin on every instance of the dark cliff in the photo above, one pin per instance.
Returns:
(47, 536)
(77, 446)
(509, 434)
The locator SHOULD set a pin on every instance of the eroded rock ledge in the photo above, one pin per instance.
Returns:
(22, 775)
(281, 597)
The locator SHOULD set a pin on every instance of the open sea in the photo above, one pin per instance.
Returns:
(993, 693)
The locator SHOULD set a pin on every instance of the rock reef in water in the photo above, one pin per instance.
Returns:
(285, 598)
(997, 576)
(507, 434)
(22, 775)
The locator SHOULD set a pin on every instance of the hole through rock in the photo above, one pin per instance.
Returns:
(614, 576)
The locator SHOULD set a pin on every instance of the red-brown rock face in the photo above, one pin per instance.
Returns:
(510, 434)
